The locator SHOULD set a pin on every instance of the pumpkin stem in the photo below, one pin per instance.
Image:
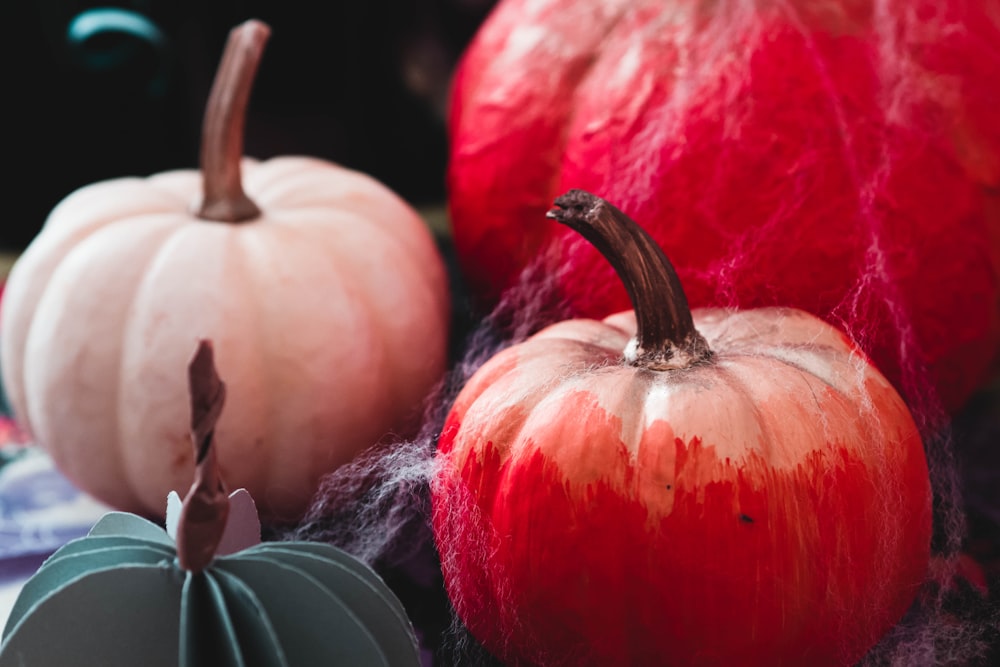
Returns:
(223, 197)
(205, 509)
(666, 337)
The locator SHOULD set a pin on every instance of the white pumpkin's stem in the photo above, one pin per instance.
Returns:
(222, 130)
(205, 510)
(666, 337)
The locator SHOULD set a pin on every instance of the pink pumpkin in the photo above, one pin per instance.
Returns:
(842, 157)
(323, 291)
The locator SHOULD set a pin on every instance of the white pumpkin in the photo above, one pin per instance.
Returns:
(327, 302)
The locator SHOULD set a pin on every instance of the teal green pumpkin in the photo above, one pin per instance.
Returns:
(204, 592)
(119, 597)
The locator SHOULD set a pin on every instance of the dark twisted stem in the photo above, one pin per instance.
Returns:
(666, 335)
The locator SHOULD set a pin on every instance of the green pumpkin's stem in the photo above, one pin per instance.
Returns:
(205, 509)
(222, 130)
(666, 338)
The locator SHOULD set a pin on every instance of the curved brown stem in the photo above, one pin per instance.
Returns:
(666, 337)
(222, 130)
(205, 510)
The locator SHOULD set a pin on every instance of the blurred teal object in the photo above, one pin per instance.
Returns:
(109, 38)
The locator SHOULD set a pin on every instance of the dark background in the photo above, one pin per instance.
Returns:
(361, 83)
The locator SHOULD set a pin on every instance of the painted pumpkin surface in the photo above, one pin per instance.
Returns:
(668, 487)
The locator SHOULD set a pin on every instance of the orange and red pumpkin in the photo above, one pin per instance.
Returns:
(668, 487)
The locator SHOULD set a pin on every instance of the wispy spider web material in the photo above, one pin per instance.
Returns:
(378, 507)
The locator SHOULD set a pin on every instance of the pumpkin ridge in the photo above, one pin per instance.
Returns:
(555, 185)
(253, 252)
(43, 261)
(627, 401)
(603, 422)
(407, 251)
(65, 219)
(264, 178)
(235, 564)
(532, 238)
(201, 590)
(579, 89)
(129, 449)
(87, 273)
(505, 445)
(368, 583)
(264, 365)
(278, 182)
(83, 546)
(410, 250)
(807, 373)
(233, 587)
(765, 448)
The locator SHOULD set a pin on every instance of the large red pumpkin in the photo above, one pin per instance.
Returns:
(732, 488)
(821, 155)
